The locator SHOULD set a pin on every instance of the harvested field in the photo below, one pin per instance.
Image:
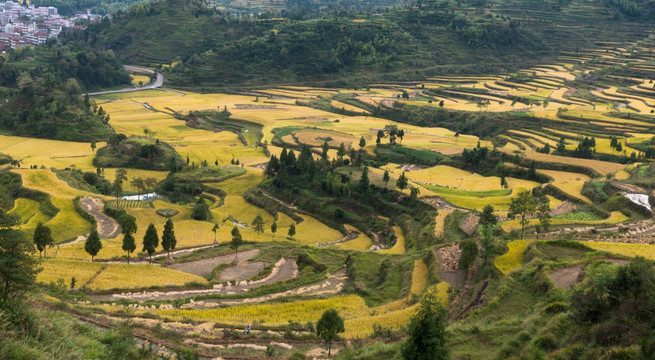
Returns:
(205, 267)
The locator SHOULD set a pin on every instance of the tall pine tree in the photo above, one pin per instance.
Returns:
(168, 240)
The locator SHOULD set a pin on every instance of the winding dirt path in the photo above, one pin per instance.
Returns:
(108, 228)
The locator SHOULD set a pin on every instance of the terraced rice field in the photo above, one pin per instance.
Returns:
(513, 259)
(49, 153)
(123, 276)
(630, 250)
(616, 217)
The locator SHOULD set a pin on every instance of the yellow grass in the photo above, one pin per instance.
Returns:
(632, 250)
(312, 231)
(362, 242)
(67, 224)
(603, 167)
(615, 218)
(447, 176)
(570, 183)
(394, 315)
(47, 182)
(514, 257)
(55, 269)
(136, 276)
(25, 208)
(622, 175)
(440, 221)
(272, 314)
(110, 249)
(49, 153)
(347, 107)
(419, 277)
(136, 79)
(399, 246)
(317, 138)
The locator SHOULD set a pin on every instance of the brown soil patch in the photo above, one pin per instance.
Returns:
(630, 188)
(242, 271)
(285, 269)
(563, 208)
(469, 223)
(566, 277)
(449, 265)
(205, 267)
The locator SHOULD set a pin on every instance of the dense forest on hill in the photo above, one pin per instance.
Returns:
(42, 88)
(211, 48)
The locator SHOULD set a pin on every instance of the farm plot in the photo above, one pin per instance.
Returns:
(513, 259)
(55, 269)
(122, 276)
(48, 153)
(570, 183)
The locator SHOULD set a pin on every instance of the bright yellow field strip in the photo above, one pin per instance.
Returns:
(347, 107)
(622, 175)
(570, 183)
(140, 80)
(447, 176)
(513, 259)
(47, 182)
(399, 246)
(316, 138)
(440, 221)
(67, 224)
(135, 276)
(49, 153)
(419, 277)
(558, 95)
(393, 315)
(603, 167)
(312, 231)
(616, 217)
(361, 243)
(55, 269)
(534, 136)
(272, 314)
(632, 250)
(25, 208)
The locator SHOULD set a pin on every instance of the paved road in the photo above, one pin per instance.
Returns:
(157, 84)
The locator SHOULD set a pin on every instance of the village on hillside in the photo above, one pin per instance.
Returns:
(22, 25)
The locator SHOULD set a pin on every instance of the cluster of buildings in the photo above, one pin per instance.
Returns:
(22, 25)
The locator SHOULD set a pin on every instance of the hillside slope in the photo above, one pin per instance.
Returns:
(214, 49)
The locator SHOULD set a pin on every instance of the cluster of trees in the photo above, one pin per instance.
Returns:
(140, 152)
(586, 148)
(525, 206)
(615, 144)
(335, 189)
(91, 68)
(93, 245)
(48, 107)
